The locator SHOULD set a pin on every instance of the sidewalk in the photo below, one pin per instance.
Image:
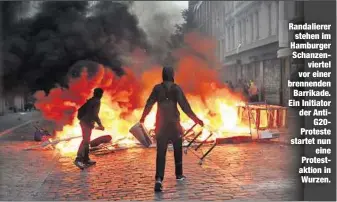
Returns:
(13, 120)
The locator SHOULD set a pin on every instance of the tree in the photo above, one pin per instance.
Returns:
(177, 39)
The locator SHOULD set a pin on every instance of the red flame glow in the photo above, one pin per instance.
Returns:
(124, 97)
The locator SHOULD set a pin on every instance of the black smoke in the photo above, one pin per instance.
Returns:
(39, 50)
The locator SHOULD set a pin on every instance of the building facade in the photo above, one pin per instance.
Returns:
(252, 42)
(289, 11)
(203, 16)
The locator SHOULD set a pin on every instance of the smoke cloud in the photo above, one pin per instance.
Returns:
(40, 50)
(43, 40)
(159, 20)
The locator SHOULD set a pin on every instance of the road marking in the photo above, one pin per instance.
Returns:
(18, 126)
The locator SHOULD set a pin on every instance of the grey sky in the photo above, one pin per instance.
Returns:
(182, 4)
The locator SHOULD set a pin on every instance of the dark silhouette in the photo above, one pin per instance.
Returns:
(168, 129)
(88, 116)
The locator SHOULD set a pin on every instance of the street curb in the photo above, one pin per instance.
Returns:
(18, 126)
(281, 142)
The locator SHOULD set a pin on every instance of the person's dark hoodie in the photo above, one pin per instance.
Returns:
(92, 110)
(168, 94)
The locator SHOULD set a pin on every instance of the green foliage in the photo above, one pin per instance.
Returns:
(177, 39)
(189, 25)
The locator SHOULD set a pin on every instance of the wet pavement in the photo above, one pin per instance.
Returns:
(252, 171)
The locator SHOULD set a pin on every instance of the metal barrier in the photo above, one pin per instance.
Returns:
(259, 116)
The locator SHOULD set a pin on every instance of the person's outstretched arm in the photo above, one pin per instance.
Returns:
(149, 104)
(185, 106)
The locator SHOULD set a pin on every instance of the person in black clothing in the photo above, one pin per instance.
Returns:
(88, 116)
(167, 128)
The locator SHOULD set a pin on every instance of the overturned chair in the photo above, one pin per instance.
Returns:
(191, 132)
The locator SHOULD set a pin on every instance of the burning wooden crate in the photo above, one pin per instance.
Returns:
(261, 116)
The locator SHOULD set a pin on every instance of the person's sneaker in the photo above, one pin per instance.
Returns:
(79, 164)
(90, 162)
(158, 187)
(180, 177)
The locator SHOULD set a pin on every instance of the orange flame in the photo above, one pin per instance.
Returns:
(124, 98)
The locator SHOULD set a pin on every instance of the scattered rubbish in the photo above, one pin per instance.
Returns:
(100, 140)
(49, 142)
(106, 148)
(41, 134)
(141, 134)
(267, 134)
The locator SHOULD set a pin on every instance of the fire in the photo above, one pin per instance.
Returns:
(125, 97)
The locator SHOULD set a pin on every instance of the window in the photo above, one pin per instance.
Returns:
(229, 38)
(199, 11)
(217, 29)
(277, 17)
(223, 50)
(224, 17)
(221, 22)
(233, 37)
(220, 50)
(243, 31)
(269, 19)
(257, 25)
(247, 30)
(198, 15)
(252, 28)
(299, 8)
(228, 35)
(240, 31)
(203, 12)
(207, 18)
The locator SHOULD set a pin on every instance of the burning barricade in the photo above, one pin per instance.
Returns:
(124, 97)
(229, 118)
